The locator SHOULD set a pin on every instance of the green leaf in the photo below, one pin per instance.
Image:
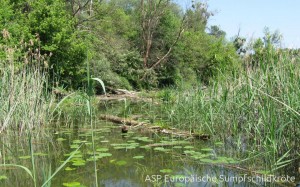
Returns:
(138, 157)
(3, 177)
(60, 167)
(101, 82)
(121, 163)
(15, 165)
(71, 184)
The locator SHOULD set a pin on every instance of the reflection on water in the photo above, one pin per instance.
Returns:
(122, 160)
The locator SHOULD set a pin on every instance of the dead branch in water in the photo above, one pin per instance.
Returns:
(173, 132)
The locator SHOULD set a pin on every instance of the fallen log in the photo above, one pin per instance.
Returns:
(173, 132)
(124, 121)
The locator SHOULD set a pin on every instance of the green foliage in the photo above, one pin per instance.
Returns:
(25, 102)
(112, 58)
(197, 17)
(51, 31)
(266, 50)
(56, 31)
(206, 55)
(60, 32)
(214, 30)
(259, 108)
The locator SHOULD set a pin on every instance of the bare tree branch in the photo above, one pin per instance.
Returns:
(160, 60)
(81, 7)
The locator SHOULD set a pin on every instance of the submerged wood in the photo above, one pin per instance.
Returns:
(173, 131)
(124, 121)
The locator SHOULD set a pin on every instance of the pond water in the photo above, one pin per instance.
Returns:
(123, 159)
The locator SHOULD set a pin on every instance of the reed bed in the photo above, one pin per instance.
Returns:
(25, 100)
(257, 110)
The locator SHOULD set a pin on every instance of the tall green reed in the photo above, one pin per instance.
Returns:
(24, 102)
(258, 109)
(90, 112)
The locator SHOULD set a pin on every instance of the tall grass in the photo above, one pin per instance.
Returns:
(26, 106)
(25, 102)
(258, 108)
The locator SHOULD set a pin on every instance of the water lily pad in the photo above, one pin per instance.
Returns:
(125, 146)
(76, 141)
(131, 147)
(166, 171)
(87, 134)
(77, 156)
(76, 152)
(189, 147)
(162, 149)
(60, 139)
(119, 147)
(25, 157)
(207, 149)
(69, 169)
(144, 139)
(138, 157)
(145, 147)
(74, 146)
(219, 143)
(102, 149)
(265, 172)
(189, 152)
(121, 163)
(78, 163)
(72, 184)
(180, 184)
(159, 149)
(3, 177)
(101, 155)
